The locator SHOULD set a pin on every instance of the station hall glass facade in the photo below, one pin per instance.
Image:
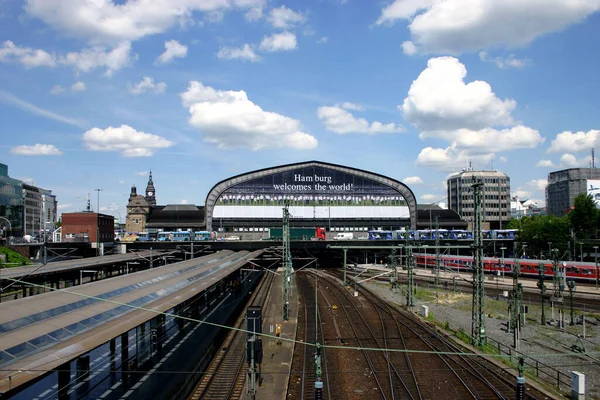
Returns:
(318, 194)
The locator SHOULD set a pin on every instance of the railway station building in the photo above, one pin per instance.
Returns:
(319, 194)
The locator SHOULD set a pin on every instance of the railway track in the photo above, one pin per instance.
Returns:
(226, 374)
(303, 377)
(392, 380)
(466, 377)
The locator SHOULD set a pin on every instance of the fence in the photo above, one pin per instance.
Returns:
(548, 373)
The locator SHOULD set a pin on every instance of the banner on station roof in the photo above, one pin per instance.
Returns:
(312, 185)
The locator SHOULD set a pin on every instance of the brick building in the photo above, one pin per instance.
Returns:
(88, 227)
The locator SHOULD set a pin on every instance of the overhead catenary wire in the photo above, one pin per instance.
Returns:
(294, 341)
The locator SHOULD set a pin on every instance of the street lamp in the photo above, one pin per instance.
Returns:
(596, 261)
(9, 226)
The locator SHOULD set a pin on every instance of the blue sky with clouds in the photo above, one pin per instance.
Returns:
(95, 93)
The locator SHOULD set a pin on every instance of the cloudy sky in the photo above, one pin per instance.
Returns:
(95, 93)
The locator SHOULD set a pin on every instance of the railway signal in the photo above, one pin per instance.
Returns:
(571, 285)
(542, 287)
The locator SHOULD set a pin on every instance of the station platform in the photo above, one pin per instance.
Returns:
(277, 354)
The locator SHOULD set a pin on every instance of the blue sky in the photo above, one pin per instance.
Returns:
(95, 93)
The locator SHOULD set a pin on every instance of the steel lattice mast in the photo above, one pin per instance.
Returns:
(437, 251)
(286, 264)
(410, 286)
(478, 319)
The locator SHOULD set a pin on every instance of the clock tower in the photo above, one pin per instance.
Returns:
(150, 192)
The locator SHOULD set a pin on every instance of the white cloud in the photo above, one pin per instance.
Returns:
(538, 184)
(57, 89)
(322, 40)
(456, 26)
(75, 87)
(509, 62)
(229, 119)
(428, 198)
(574, 141)
(285, 18)
(147, 85)
(78, 87)
(341, 121)
(109, 22)
(283, 41)
(14, 100)
(409, 48)
(517, 137)
(91, 58)
(140, 173)
(439, 99)
(545, 164)
(121, 182)
(570, 161)
(125, 139)
(36, 150)
(521, 193)
(440, 104)
(29, 58)
(64, 206)
(240, 53)
(254, 14)
(83, 61)
(503, 159)
(352, 106)
(450, 158)
(184, 201)
(173, 49)
(412, 180)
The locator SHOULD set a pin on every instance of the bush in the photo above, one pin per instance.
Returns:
(13, 259)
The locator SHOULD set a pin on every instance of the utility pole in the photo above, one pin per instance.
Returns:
(436, 281)
(286, 264)
(410, 287)
(478, 319)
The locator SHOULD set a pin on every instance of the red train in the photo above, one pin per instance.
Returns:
(580, 271)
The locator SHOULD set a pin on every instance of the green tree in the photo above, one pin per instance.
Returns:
(584, 217)
(539, 233)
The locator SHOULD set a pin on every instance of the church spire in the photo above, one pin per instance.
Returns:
(150, 191)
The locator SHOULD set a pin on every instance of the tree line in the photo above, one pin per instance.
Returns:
(572, 236)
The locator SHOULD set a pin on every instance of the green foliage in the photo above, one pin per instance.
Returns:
(13, 259)
(584, 217)
(540, 230)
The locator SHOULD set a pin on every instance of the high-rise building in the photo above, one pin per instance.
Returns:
(11, 204)
(496, 196)
(32, 212)
(564, 185)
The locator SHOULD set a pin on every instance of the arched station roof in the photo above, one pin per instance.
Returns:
(221, 187)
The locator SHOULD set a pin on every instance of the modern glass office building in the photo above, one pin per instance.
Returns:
(11, 204)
